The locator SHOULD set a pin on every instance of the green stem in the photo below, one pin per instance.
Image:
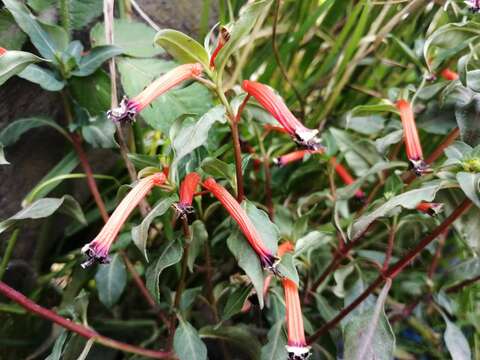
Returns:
(8, 252)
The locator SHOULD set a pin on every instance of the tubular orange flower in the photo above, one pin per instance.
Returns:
(240, 216)
(97, 250)
(431, 209)
(411, 139)
(187, 189)
(294, 156)
(3, 51)
(346, 177)
(274, 105)
(448, 74)
(129, 108)
(222, 40)
(297, 345)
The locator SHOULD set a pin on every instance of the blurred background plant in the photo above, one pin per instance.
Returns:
(198, 290)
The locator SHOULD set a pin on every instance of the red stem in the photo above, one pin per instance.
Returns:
(394, 270)
(389, 251)
(238, 160)
(81, 330)
(456, 288)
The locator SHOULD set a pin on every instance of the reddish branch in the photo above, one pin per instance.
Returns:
(394, 270)
(81, 330)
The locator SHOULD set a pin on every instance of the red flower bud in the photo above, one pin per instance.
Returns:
(274, 105)
(187, 191)
(294, 156)
(346, 177)
(97, 250)
(129, 108)
(222, 40)
(243, 221)
(411, 139)
(3, 51)
(431, 209)
(448, 74)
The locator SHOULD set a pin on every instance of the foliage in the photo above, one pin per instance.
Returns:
(191, 284)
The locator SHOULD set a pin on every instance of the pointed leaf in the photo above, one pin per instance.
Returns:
(199, 238)
(183, 48)
(111, 281)
(44, 77)
(457, 343)
(13, 131)
(140, 232)
(14, 62)
(171, 254)
(274, 349)
(470, 184)
(95, 58)
(187, 343)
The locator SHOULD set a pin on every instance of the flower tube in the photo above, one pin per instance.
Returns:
(246, 226)
(346, 177)
(97, 250)
(297, 348)
(222, 40)
(429, 208)
(187, 189)
(3, 51)
(274, 105)
(411, 139)
(130, 107)
(294, 156)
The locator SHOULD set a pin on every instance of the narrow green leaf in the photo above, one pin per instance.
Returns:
(187, 343)
(95, 58)
(100, 132)
(57, 350)
(44, 208)
(171, 254)
(12, 37)
(269, 232)
(82, 12)
(235, 301)
(457, 343)
(42, 39)
(470, 184)
(199, 238)
(92, 92)
(14, 62)
(140, 232)
(182, 47)
(274, 349)
(111, 280)
(44, 77)
(407, 200)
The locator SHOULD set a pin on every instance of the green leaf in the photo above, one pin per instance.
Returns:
(340, 276)
(44, 77)
(348, 192)
(92, 92)
(192, 136)
(111, 280)
(3, 160)
(369, 335)
(313, 240)
(238, 336)
(182, 47)
(134, 38)
(100, 133)
(467, 113)
(384, 106)
(171, 254)
(248, 260)
(269, 232)
(382, 144)
(457, 343)
(82, 12)
(470, 184)
(136, 74)
(65, 166)
(199, 238)
(220, 170)
(235, 301)
(40, 37)
(408, 200)
(44, 208)
(12, 37)
(14, 62)
(140, 232)
(274, 349)
(239, 31)
(57, 350)
(15, 130)
(366, 124)
(95, 58)
(187, 343)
